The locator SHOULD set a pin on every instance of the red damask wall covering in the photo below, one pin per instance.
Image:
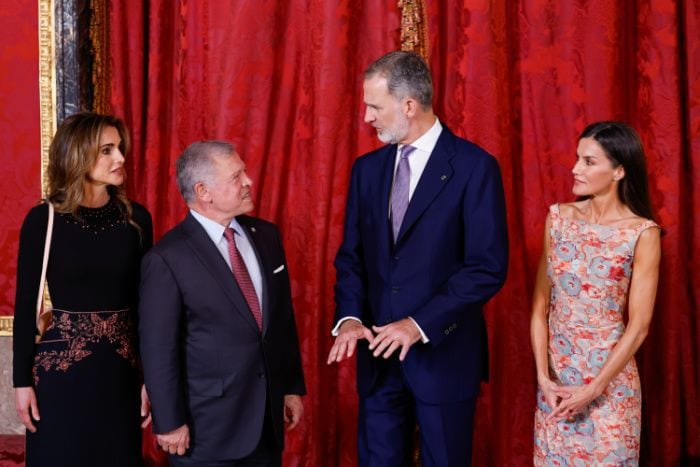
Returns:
(20, 147)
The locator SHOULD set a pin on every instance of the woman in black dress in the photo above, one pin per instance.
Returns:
(78, 390)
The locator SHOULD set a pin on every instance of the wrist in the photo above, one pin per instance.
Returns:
(543, 378)
(597, 387)
(349, 324)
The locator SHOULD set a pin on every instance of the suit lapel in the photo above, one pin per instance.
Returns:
(386, 179)
(435, 176)
(211, 258)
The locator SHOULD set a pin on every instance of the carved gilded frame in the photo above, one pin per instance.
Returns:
(414, 27)
(47, 82)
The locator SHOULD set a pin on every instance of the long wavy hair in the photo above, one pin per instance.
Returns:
(623, 147)
(73, 153)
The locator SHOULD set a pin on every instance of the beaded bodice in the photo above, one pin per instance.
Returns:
(97, 220)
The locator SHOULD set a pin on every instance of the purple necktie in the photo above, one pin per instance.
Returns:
(399, 193)
(240, 272)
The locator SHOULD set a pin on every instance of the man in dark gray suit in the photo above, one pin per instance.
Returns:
(219, 344)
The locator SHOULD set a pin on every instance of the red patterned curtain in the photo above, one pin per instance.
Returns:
(283, 81)
(20, 133)
(523, 79)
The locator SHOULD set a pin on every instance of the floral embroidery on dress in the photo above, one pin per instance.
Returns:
(589, 268)
(71, 334)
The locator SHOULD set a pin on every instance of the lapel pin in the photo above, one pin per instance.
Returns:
(444, 177)
(252, 229)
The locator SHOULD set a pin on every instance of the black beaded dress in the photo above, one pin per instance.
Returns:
(85, 369)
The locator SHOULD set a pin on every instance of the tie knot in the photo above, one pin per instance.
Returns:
(406, 150)
(229, 233)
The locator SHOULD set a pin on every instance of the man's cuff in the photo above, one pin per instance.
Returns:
(334, 332)
(423, 337)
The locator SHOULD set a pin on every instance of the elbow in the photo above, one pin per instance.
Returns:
(642, 334)
(639, 334)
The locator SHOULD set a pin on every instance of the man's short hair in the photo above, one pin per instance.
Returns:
(407, 75)
(195, 165)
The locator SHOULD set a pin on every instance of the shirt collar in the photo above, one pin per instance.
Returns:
(427, 141)
(213, 228)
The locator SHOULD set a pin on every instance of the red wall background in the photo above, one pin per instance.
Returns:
(283, 81)
(20, 131)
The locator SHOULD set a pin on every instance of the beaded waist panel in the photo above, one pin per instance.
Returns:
(74, 336)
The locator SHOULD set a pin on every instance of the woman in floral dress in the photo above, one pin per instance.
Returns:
(601, 256)
(77, 390)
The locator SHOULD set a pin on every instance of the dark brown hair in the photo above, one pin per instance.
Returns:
(623, 147)
(73, 153)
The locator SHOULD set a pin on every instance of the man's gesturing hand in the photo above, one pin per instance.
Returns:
(349, 333)
(403, 333)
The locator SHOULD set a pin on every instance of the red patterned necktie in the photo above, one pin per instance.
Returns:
(240, 272)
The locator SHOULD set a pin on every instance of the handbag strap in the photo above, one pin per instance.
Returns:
(47, 246)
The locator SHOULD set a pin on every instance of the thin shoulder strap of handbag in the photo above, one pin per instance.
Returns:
(47, 246)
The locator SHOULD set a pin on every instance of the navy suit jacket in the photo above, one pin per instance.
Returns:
(205, 361)
(449, 259)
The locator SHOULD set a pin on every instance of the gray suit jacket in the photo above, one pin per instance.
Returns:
(205, 361)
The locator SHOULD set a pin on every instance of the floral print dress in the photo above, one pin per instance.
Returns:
(589, 268)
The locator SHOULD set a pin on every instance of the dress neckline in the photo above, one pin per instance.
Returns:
(98, 208)
(644, 223)
(605, 226)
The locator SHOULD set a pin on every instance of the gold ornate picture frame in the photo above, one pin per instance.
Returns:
(47, 83)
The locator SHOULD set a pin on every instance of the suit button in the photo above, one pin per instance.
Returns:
(261, 375)
(397, 257)
(395, 290)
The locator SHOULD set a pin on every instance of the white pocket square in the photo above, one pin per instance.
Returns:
(279, 269)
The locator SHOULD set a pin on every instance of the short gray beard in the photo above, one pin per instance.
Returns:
(397, 132)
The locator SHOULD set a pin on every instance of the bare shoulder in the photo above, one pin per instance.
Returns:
(647, 251)
(629, 220)
(651, 233)
(572, 210)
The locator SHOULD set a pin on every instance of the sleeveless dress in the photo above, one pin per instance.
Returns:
(85, 368)
(589, 268)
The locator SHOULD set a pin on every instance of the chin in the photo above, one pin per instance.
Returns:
(579, 191)
(386, 138)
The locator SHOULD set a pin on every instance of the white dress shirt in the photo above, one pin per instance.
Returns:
(419, 158)
(416, 161)
(216, 233)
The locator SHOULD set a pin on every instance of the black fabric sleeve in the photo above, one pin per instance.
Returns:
(143, 218)
(29, 261)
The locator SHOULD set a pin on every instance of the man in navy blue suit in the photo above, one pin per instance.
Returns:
(425, 247)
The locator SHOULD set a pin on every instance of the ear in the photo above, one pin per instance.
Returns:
(619, 173)
(410, 107)
(202, 192)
